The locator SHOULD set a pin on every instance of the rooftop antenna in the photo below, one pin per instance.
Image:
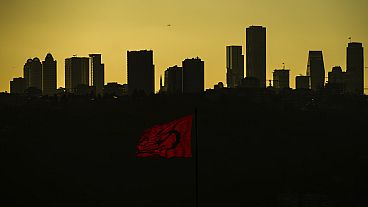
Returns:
(283, 66)
(349, 39)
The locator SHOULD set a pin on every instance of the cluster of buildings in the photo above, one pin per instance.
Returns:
(82, 75)
(37, 77)
(85, 75)
(351, 81)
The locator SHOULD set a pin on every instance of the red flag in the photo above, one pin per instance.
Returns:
(167, 140)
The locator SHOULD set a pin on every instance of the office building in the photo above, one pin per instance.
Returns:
(141, 72)
(281, 79)
(256, 54)
(193, 75)
(336, 76)
(26, 71)
(355, 68)
(49, 75)
(174, 80)
(76, 73)
(97, 73)
(17, 85)
(234, 66)
(316, 70)
(302, 82)
(32, 72)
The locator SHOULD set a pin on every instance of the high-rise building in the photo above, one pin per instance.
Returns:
(256, 54)
(141, 72)
(17, 85)
(32, 72)
(76, 73)
(316, 70)
(355, 68)
(174, 80)
(302, 82)
(97, 73)
(26, 71)
(49, 75)
(234, 66)
(193, 75)
(281, 79)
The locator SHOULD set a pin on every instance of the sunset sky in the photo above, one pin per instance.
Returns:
(199, 28)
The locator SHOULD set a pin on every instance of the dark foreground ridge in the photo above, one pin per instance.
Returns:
(256, 149)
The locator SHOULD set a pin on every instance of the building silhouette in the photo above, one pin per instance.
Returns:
(336, 81)
(49, 75)
(18, 85)
(281, 78)
(141, 72)
(97, 73)
(26, 71)
(302, 82)
(234, 66)
(193, 75)
(76, 73)
(256, 54)
(32, 72)
(174, 80)
(316, 70)
(355, 68)
(336, 76)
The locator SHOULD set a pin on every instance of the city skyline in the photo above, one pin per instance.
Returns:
(287, 40)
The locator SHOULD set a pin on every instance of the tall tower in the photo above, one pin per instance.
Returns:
(49, 75)
(193, 75)
(97, 73)
(234, 66)
(76, 72)
(141, 72)
(316, 70)
(355, 68)
(26, 71)
(174, 80)
(35, 74)
(256, 54)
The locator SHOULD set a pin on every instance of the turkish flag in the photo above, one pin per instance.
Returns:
(168, 140)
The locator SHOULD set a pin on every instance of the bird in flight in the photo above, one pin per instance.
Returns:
(168, 25)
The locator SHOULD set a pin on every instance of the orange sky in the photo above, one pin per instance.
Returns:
(199, 28)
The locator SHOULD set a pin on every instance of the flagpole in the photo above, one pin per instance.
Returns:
(196, 157)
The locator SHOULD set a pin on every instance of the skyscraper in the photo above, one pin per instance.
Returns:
(49, 75)
(35, 74)
(76, 73)
(141, 72)
(234, 66)
(355, 68)
(174, 80)
(193, 75)
(316, 70)
(256, 54)
(26, 71)
(281, 79)
(97, 73)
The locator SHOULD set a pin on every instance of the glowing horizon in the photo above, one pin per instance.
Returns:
(198, 28)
